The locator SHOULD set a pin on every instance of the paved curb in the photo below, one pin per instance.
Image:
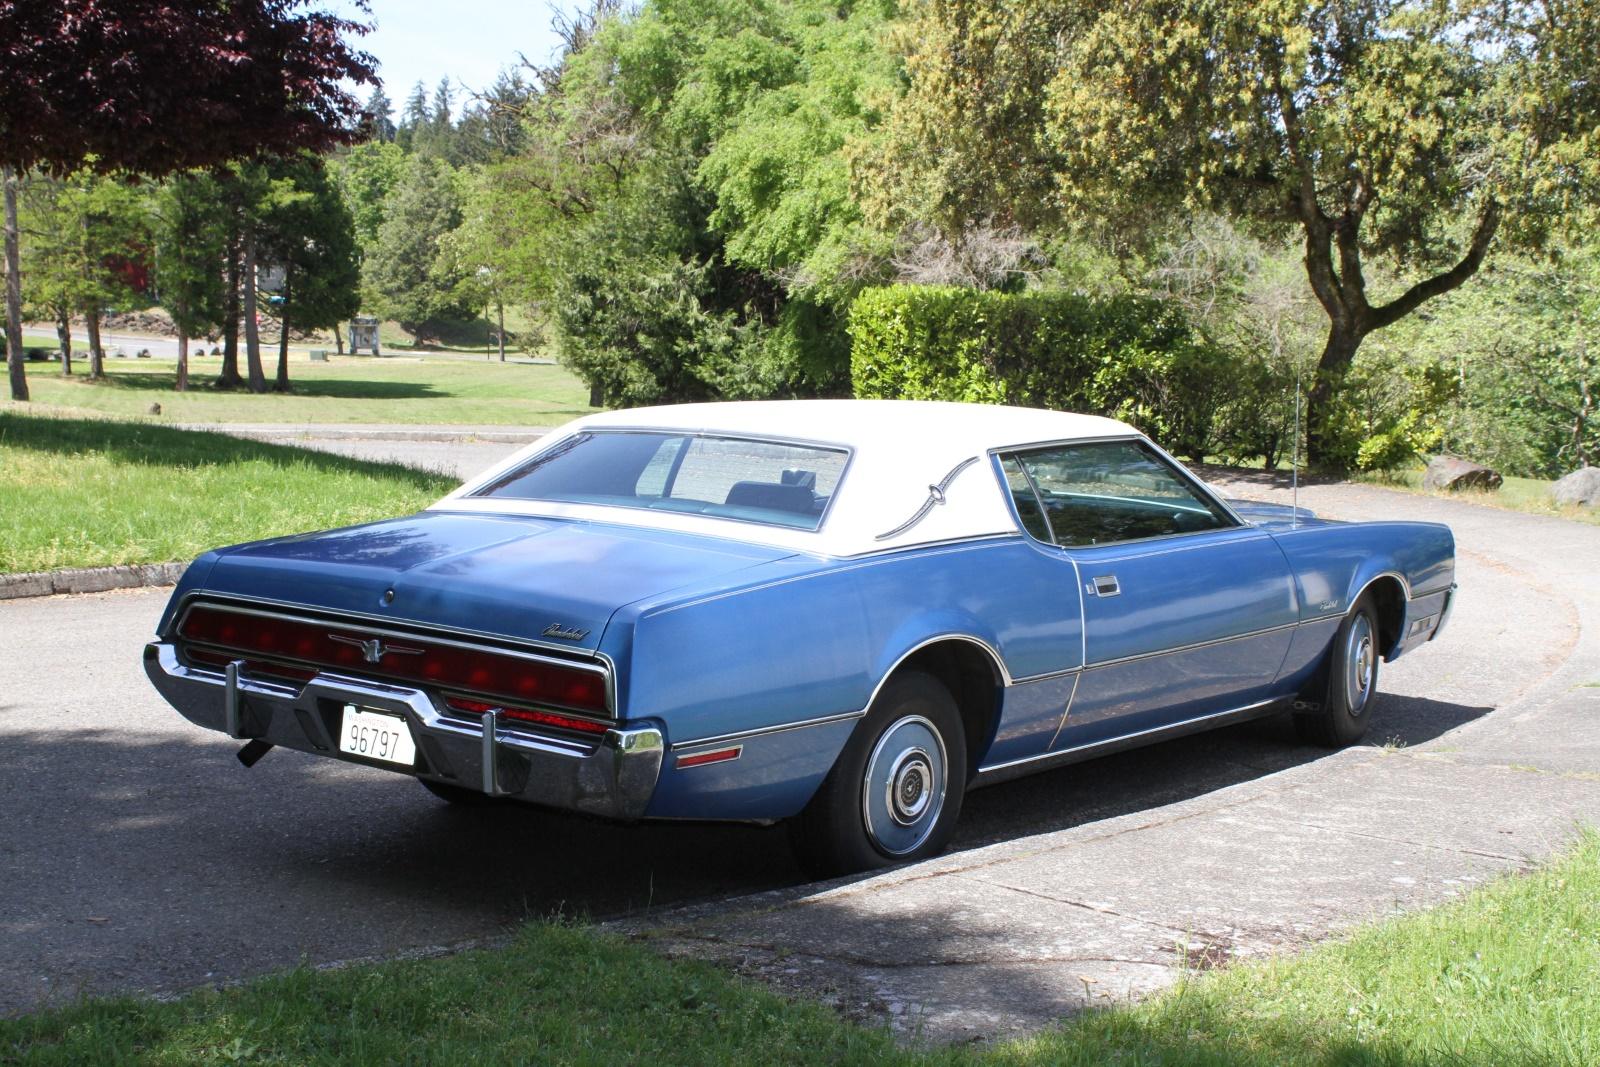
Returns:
(89, 579)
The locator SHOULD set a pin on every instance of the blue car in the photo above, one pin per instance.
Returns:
(840, 614)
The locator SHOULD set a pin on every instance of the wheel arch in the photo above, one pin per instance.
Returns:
(1390, 595)
(974, 673)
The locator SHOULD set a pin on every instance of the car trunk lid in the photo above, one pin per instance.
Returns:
(550, 580)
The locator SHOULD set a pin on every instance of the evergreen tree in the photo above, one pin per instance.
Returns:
(307, 232)
(380, 110)
(189, 248)
(414, 117)
(412, 283)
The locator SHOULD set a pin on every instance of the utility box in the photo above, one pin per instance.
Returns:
(364, 335)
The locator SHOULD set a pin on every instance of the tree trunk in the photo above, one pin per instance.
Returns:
(1580, 421)
(183, 362)
(64, 336)
(1321, 444)
(19, 376)
(500, 307)
(282, 384)
(229, 378)
(252, 329)
(338, 339)
(97, 354)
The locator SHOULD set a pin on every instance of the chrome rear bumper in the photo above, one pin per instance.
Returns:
(613, 776)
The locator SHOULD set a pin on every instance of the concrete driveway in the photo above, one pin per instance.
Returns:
(139, 855)
(1101, 882)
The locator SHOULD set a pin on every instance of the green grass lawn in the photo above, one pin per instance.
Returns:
(1509, 975)
(1530, 495)
(93, 492)
(406, 389)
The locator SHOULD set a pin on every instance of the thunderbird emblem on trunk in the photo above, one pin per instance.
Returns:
(374, 650)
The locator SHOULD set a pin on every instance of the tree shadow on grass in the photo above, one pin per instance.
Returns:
(143, 444)
(336, 388)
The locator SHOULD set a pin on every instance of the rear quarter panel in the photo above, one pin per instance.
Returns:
(1333, 563)
(804, 639)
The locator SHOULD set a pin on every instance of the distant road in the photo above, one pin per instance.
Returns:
(167, 347)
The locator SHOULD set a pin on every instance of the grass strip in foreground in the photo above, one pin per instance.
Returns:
(1509, 975)
(91, 492)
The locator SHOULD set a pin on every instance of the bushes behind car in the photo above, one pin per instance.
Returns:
(1128, 357)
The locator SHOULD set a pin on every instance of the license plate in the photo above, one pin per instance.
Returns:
(377, 736)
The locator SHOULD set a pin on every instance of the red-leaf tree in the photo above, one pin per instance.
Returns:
(153, 86)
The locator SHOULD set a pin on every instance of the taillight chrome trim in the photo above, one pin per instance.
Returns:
(597, 662)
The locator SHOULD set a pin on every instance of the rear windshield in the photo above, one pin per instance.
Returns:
(768, 482)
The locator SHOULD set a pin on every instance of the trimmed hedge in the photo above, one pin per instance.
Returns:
(1131, 358)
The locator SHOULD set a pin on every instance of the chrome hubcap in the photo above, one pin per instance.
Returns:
(1360, 664)
(903, 789)
(909, 786)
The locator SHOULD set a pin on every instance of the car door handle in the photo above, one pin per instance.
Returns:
(1105, 585)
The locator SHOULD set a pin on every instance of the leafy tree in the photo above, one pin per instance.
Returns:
(84, 231)
(189, 247)
(718, 130)
(153, 86)
(1408, 131)
(412, 282)
(366, 175)
(1518, 348)
(481, 250)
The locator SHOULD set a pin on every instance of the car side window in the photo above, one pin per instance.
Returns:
(1102, 492)
(1025, 500)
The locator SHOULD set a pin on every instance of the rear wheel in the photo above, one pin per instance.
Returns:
(455, 794)
(1352, 682)
(895, 793)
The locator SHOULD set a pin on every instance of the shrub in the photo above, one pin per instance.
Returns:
(1131, 358)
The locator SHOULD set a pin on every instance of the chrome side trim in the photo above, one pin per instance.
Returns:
(762, 731)
(995, 661)
(1066, 712)
(1405, 586)
(1047, 675)
(383, 628)
(998, 771)
(1190, 648)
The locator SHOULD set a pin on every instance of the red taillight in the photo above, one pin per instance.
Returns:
(533, 715)
(496, 674)
(254, 666)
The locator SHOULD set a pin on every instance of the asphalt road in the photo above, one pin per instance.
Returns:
(138, 855)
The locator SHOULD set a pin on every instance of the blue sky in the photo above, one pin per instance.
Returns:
(468, 41)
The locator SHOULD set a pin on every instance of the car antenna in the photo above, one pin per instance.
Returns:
(1294, 464)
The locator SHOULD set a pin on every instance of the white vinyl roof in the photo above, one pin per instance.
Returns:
(899, 449)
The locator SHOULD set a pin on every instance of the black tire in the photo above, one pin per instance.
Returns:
(1352, 682)
(455, 794)
(912, 747)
